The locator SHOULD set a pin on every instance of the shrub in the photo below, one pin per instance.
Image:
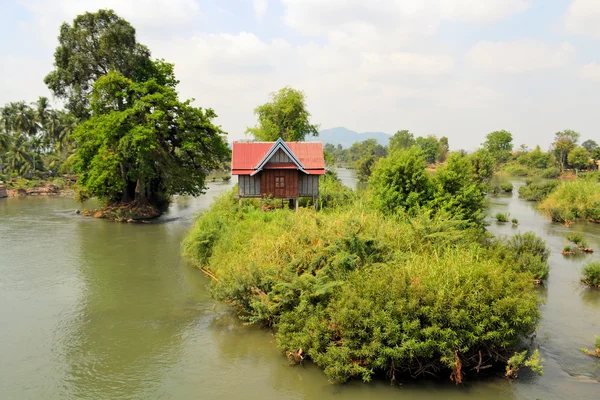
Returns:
(598, 342)
(362, 293)
(515, 221)
(332, 193)
(399, 183)
(567, 249)
(572, 200)
(507, 187)
(528, 253)
(537, 191)
(226, 178)
(517, 170)
(520, 360)
(591, 274)
(577, 238)
(501, 217)
(550, 173)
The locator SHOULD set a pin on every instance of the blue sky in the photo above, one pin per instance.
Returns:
(458, 68)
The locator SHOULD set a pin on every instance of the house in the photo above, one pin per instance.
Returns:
(278, 169)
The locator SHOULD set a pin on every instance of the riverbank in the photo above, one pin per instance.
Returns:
(124, 212)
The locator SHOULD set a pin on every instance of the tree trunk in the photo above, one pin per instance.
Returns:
(140, 192)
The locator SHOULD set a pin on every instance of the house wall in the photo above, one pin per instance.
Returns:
(249, 186)
(267, 183)
(308, 185)
(280, 157)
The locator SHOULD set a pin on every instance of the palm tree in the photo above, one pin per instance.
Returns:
(19, 157)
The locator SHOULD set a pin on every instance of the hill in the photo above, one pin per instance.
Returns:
(346, 137)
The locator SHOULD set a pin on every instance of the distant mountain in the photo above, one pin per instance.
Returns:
(346, 137)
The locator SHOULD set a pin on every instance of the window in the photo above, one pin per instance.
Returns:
(279, 182)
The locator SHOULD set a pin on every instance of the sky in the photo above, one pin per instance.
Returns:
(455, 68)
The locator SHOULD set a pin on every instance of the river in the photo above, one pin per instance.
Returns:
(91, 309)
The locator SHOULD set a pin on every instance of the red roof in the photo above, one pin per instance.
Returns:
(248, 155)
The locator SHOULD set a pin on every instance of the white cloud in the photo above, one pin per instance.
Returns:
(590, 72)
(317, 16)
(519, 56)
(260, 8)
(399, 63)
(583, 17)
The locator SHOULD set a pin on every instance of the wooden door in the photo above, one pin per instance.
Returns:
(279, 183)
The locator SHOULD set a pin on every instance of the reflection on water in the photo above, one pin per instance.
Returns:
(94, 309)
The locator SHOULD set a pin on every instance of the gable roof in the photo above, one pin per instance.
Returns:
(249, 158)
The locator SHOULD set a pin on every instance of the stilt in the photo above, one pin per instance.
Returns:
(296, 201)
(240, 202)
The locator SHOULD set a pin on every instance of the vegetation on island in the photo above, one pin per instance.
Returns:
(125, 133)
(591, 274)
(391, 282)
(578, 199)
(537, 190)
(596, 351)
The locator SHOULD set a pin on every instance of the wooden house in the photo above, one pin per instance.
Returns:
(284, 170)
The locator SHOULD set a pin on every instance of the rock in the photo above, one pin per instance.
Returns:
(98, 214)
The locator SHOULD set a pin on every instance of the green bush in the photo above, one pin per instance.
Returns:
(507, 187)
(501, 217)
(517, 170)
(591, 274)
(332, 193)
(537, 191)
(515, 221)
(226, 178)
(577, 238)
(550, 173)
(362, 293)
(527, 253)
(572, 200)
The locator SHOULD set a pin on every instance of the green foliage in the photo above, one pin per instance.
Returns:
(537, 191)
(401, 140)
(91, 47)
(443, 149)
(499, 145)
(572, 200)
(517, 170)
(502, 217)
(564, 143)
(430, 147)
(361, 293)
(515, 221)
(535, 159)
(507, 187)
(527, 253)
(520, 360)
(332, 193)
(579, 158)
(483, 164)
(589, 145)
(399, 183)
(577, 238)
(597, 342)
(591, 275)
(550, 173)
(142, 144)
(285, 116)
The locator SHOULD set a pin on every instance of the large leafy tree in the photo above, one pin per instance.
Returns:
(285, 116)
(499, 145)
(589, 145)
(579, 158)
(92, 46)
(430, 147)
(401, 140)
(564, 142)
(142, 144)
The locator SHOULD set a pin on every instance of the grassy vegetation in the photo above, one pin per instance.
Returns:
(515, 221)
(502, 217)
(537, 191)
(362, 293)
(578, 199)
(507, 187)
(591, 274)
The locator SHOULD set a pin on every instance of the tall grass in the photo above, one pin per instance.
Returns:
(363, 294)
(573, 200)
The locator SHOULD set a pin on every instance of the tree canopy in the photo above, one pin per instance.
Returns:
(92, 46)
(285, 116)
(564, 142)
(499, 145)
(142, 144)
(579, 158)
(401, 140)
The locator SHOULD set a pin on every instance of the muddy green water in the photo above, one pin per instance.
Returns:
(91, 309)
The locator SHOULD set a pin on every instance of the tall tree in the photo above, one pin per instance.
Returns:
(564, 142)
(401, 140)
(443, 149)
(93, 45)
(430, 147)
(589, 145)
(285, 116)
(499, 145)
(143, 145)
(579, 158)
